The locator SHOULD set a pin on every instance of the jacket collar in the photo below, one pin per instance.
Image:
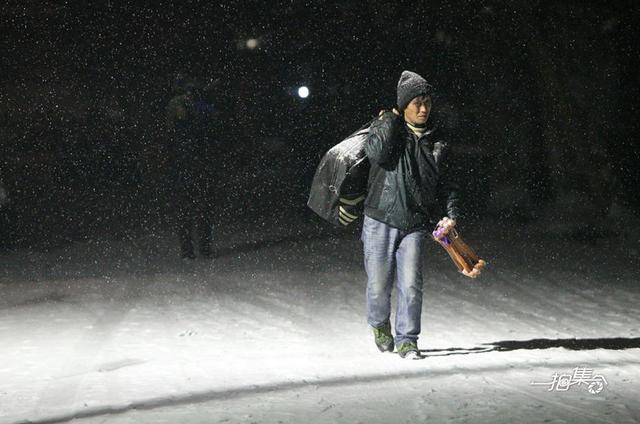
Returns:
(430, 129)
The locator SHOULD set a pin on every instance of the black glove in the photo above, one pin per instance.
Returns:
(350, 208)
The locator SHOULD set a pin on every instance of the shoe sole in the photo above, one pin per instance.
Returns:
(411, 355)
(385, 348)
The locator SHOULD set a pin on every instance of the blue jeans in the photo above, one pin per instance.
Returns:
(388, 253)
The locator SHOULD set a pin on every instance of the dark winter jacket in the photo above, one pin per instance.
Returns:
(410, 186)
(195, 140)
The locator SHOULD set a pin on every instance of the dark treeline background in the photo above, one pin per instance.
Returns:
(538, 98)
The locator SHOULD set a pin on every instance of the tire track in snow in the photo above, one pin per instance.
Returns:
(525, 306)
(582, 317)
(63, 391)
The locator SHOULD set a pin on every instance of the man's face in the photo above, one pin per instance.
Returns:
(418, 110)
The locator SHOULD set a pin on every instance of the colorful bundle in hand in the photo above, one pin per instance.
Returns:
(463, 256)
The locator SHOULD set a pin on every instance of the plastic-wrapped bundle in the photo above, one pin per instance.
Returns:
(340, 182)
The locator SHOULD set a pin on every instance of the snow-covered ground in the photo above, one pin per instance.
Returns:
(274, 331)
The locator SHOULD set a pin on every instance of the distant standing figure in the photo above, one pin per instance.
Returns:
(191, 122)
(4, 197)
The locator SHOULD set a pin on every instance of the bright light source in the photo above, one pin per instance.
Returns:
(252, 43)
(303, 92)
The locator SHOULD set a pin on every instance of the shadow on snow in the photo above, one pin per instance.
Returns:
(617, 343)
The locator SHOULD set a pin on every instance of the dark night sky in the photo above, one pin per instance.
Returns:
(538, 97)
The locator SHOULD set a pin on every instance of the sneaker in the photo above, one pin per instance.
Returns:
(186, 251)
(383, 338)
(205, 244)
(206, 252)
(409, 350)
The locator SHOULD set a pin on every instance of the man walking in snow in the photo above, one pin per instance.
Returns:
(409, 190)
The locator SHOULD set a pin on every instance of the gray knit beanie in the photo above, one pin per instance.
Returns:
(412, 85)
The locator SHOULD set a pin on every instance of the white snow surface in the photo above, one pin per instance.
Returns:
(274, 331)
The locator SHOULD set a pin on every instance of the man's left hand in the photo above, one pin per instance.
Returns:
(447, 224)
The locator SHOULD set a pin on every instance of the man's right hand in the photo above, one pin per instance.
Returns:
(394, 110)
